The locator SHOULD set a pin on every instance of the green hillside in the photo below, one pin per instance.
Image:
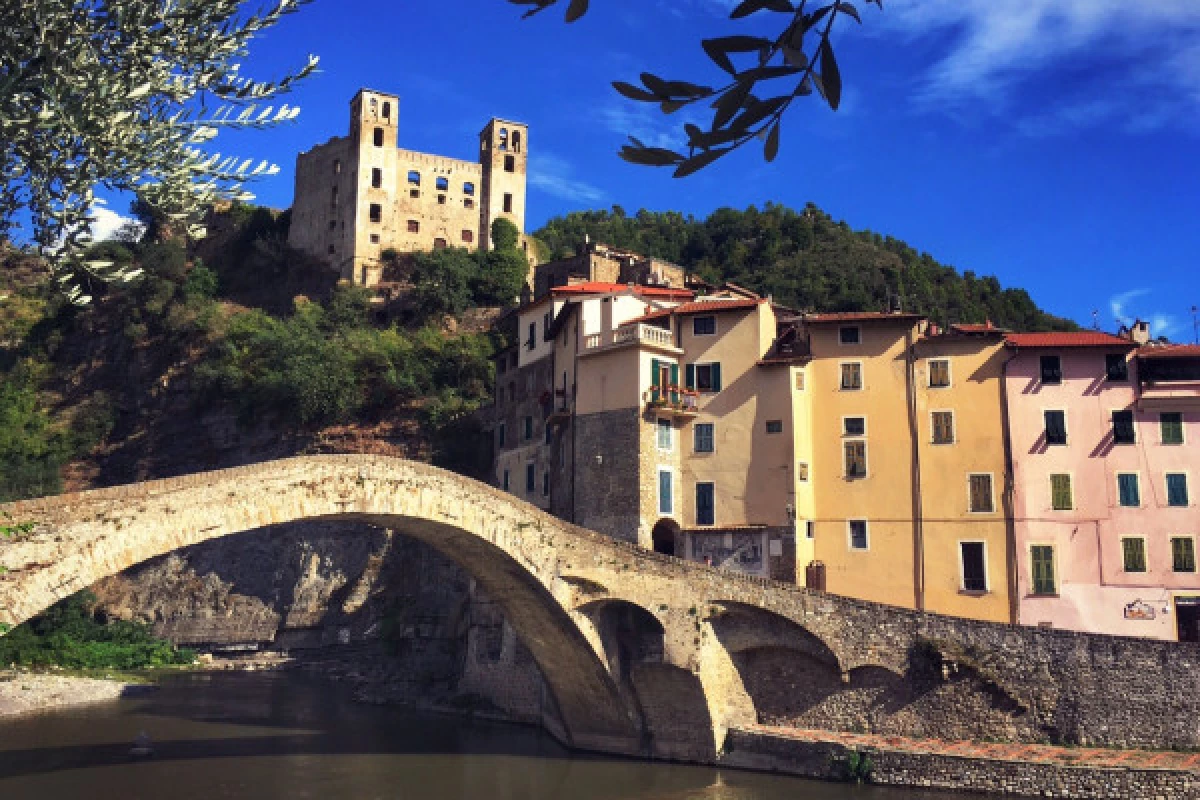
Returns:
(805, 260)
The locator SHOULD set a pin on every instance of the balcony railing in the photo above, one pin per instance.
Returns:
(629, 334)
(674, 400)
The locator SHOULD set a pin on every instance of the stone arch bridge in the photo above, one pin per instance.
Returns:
(640, 651)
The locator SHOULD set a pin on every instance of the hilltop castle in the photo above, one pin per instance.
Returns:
(359, 195)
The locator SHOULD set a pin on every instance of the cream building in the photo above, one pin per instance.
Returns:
(359, 195)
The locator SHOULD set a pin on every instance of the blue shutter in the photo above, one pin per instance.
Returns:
(1128, 486)
(1177, 493)
(665, 497)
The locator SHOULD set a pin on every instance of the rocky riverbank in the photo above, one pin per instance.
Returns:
(29, 692)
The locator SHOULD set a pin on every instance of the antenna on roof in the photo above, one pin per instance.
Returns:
(1195, 325)
(1095, 319)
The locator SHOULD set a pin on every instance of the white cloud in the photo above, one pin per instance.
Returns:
(1161, 324)
(556, 176)
(106, 222)
(1147, 53)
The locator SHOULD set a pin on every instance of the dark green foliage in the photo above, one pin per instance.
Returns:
(807, 261)
(451, 280)
(201, 283)
(68, 635)
(505, 234)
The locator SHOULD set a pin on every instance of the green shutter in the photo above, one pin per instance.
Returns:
(690, 377)
(675, 383)
(1042, 558)
(1060, 490)
(716, 377)
(655, 379)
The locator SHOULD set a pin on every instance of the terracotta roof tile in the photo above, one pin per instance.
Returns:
(1067, 339)
(861, 316)
(699, 307)
(1169, 351)
(596, 287)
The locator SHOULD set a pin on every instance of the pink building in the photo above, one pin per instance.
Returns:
(1103, 438)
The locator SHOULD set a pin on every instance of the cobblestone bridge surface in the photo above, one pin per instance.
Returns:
(644, 654)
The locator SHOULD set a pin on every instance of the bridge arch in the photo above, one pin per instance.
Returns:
(510, 548)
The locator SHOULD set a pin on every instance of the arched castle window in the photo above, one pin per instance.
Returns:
(337, 166)
(510, 163)
(468, 235)
(414, 226)
(376, 212)
(469, 188)
(333, 197)
(443, 184)
(516, 141)
(374, 106)
(504, 138)
(439, 244)
(376, 178)
(379, 137)
(507, 203)
(414, 178)
(387, 110)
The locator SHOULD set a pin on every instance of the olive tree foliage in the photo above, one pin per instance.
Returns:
(123, 94)
(794, 63)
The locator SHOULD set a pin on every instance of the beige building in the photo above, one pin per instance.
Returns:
(359, 195)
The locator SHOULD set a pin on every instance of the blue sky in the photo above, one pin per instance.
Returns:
(1052, 143)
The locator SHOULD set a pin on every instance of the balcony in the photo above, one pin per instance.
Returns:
(673, 401)
(626, 335)
(560, 411)
(1170, 379)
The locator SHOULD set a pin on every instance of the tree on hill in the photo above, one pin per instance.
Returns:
(450, 280)
(805, 260)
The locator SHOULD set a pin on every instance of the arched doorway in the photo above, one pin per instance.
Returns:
(667, 538)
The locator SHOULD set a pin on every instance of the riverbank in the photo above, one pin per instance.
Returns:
(24, 692)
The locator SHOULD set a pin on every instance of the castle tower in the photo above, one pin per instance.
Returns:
(503, 154)
(374, 127)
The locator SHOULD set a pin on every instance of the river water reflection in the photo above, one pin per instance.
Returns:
(282, 735)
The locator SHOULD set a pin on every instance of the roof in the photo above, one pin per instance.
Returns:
(1067, 339)
(700, 307)
(972, 328)
(788, 348)
(1169, 351)
(861, 316)
(596, 287)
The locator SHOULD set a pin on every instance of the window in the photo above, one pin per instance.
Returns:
(379, 137)
(703, 439)
(546, 326)
(1123, 429)
(856, 459)
(374, 238)
(939, 373)
(1056, 427)
(528, 428)
(1177, 491)
(1171, 427)
(468, 236)
(469, 189)
(414, 193)
(337, 166)
(1041, 557)
(1061, 497)
(799, 381)
(331, 249)
(532, 341)
(1116, 368)
(1133, 552)
(859, 539)
(854, 426)
(507, 203)
(852, 375)
(510, 164)
(774, 426)
(704, 377)
(505, 483)
(706, 512)
(414, 226)
(549, 430)
(849, 334)
(974, 566)
(468, 202)
(802, 471)
(503, 139)
(1183, 554)
(1129, 493)
(664, 435)
(441, 199)
(666, 497)
(546, 484)
(943, 427)
(439, 243)
(529, 478)
(516, 141)
(387, 110)
(980, 490)
(376, 178)
(333, 197)
(414, 178)
(704, 326)
(376, 212)
(332, 224)
(442, 183)
(1051, 369)
(500, 436)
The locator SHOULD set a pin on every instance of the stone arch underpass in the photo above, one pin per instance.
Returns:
(641, 651)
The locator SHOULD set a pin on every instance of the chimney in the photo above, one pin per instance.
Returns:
(1140, 332)
(988, 324)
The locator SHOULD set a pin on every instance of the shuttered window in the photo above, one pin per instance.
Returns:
(664, 434)
(703, 377)
(1056, 427)
(1171, 425)
(1128, 490)
(1051, 369)
(856, 459)
(858, 534)
(939, 373)
(666, 495)
(529, 478)
(982, 501)
(1183, 554)
(704, 437)
(1133, 551)
(1116, 368)
(1042, 562)
(852, 376)
(943, 427)
(705, 504)
(1177, 490)
(1061, 498)
(974, 569)
(854, 426)
(1123, 429)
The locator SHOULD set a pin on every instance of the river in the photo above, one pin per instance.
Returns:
(284, 735)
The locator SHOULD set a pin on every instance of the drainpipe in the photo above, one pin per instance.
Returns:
(1008, 499)
(918, 515)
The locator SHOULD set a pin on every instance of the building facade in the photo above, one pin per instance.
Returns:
(359, 195)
